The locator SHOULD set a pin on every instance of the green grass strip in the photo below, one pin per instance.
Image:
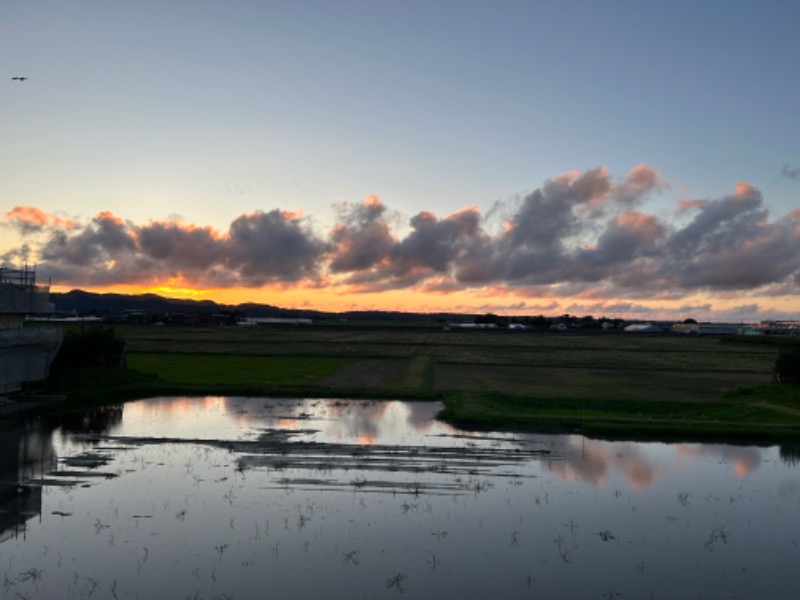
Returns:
(221, 369)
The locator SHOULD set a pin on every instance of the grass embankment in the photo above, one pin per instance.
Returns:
(735, 416)
(610, 384)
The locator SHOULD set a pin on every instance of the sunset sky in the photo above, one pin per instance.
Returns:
(622, 158)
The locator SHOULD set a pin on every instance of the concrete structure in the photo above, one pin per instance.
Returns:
(25, 352)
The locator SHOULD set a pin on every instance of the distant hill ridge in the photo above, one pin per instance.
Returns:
(84, 302)
(87, 303)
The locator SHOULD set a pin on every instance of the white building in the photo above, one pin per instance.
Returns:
(25, 352)
(643, 328)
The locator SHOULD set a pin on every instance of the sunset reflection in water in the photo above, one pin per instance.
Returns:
(261, 487)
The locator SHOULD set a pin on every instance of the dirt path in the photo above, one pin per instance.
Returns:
(416, 374)
(367, 373)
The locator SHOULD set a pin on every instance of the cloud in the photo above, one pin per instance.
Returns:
(730, 244)
(30, 219)
(21, 255)
(362, 238)
(626, 238)
(582, 234)
(614, 308)
(792, 173)
(185, 248)
(102, 252)
(432, 249)
(688, 205)
(640, 182)
(272, 247)
(435, 245)
(259, 248)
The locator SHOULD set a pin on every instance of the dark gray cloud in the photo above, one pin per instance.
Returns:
(626, 239)
(183, 249)
(730, 244)
(550, 215)
(433, 248)
(105, 239)
(554, 235)
(792, 173)
(272, 247)
(435, 245)
(101, 252)
(719, 224)
(362, 237)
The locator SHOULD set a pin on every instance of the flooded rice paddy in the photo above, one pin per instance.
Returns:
(256, 497)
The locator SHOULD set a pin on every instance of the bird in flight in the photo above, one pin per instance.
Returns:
(18, 78)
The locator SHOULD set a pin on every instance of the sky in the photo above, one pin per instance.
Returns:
(626, 159)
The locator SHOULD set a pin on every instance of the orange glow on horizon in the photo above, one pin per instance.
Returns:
(334, 297)
(178, 292)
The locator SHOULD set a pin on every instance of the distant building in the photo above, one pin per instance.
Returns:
(750, 330)
(781, 327)
(643, 328)
(25, 352)
(471, 326)
(253, 321)
(708, 328)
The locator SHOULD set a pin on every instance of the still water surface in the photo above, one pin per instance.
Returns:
(255, 497)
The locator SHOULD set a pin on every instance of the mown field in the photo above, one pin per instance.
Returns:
(635, 385)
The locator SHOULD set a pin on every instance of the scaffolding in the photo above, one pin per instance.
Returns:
(19, 294)
(24, 276)
(25, 352)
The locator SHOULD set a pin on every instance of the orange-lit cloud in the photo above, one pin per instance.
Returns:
(687, 205)
(744, 190)
(31, 218)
